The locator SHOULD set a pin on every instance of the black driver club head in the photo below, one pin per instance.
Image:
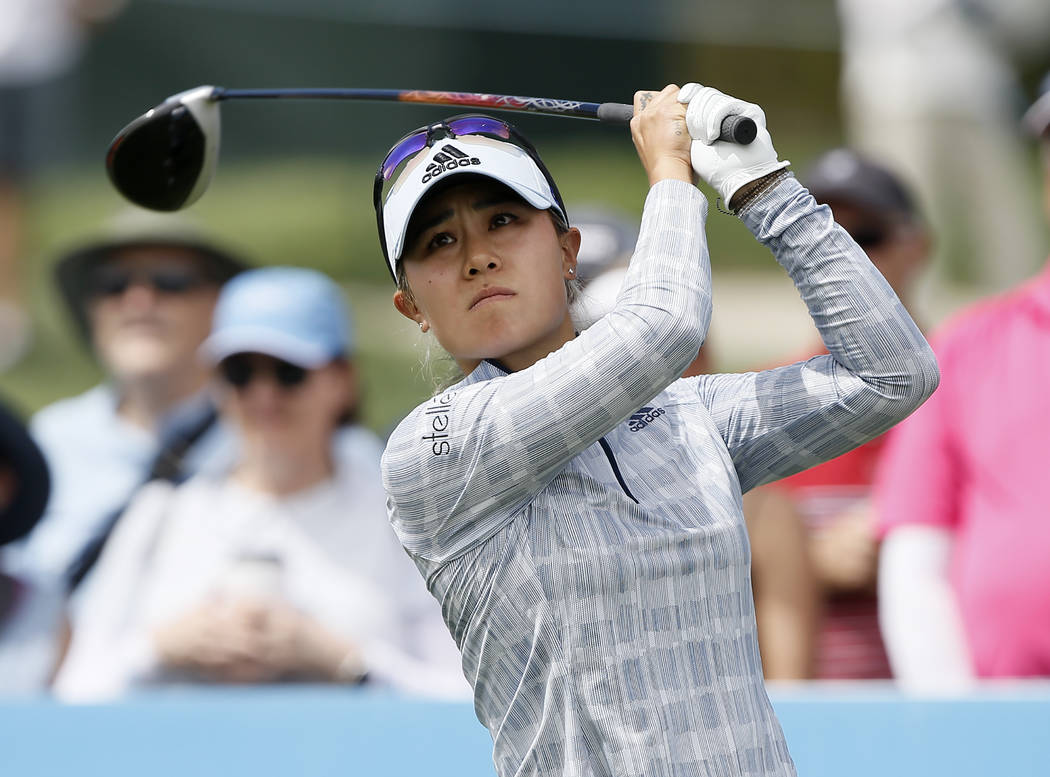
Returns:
(165, 159)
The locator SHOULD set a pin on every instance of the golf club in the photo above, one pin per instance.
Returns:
(165, 159)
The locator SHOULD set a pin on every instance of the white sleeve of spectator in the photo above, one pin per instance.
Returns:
(427, 661)
(108, 651)
(918, 612)
(389, 666)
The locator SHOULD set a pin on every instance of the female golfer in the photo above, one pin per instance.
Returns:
(572, 503)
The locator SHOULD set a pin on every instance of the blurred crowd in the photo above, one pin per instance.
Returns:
(216, 513)
(212, 511)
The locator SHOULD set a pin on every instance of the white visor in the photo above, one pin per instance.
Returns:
(474, 154)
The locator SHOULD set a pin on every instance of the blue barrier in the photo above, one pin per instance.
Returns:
(854, 730)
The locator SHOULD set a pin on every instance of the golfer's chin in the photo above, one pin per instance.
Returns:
(511, 356)
(488, 343)
(515, 341)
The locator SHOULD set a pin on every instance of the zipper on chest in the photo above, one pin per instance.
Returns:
(615, 468)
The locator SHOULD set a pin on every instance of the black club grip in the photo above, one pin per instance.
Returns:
(735, 128)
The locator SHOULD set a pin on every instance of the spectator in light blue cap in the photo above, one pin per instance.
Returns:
(281, 340)
(289, 313)
(284, 567)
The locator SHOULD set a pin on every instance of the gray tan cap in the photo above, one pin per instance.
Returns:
(138, 228)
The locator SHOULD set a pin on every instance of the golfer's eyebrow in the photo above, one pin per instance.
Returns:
(433, 221)
(444, 215)
(495, 199)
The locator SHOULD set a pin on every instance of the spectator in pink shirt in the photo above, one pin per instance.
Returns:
(963, 495)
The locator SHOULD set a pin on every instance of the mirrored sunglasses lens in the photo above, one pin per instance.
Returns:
(413, 144)
(479, 125)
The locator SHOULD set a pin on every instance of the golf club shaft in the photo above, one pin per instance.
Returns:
(739, 129)
(573, 108)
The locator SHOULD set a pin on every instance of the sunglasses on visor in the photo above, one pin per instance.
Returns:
(240, 370)
(454, 127)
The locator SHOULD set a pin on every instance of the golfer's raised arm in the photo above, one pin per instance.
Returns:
(879, 368)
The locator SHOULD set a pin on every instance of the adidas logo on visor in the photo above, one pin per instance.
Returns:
(448, 158)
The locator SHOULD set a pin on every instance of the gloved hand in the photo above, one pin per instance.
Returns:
(725, 166)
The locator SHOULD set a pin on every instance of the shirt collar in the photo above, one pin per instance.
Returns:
(486, 370)
(493, 368)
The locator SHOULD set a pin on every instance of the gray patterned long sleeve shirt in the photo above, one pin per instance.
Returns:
(580, 521)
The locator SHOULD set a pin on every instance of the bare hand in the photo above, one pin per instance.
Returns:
(845, 553)
(292, 644)
(251, 641)
(660, 135)
(213, 643)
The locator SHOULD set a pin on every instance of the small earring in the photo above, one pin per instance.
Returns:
(572, 271)
(421, 329)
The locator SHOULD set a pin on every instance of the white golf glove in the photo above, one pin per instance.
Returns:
(725, 166)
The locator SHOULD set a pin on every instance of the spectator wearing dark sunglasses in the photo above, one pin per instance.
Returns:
(833, 499)
(284, 567)
(142, 297)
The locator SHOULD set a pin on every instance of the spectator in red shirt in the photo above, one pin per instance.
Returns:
(833, 498)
